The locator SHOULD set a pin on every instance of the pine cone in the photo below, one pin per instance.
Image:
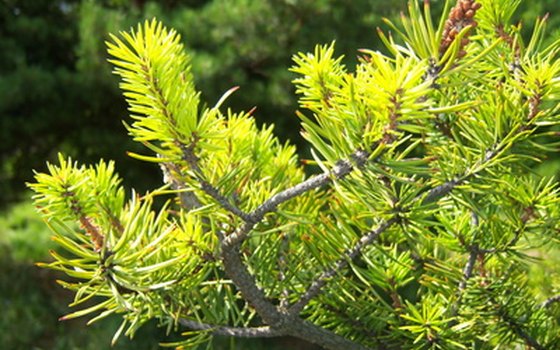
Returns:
(461, 16)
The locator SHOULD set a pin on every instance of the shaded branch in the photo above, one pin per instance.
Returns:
(348, 257)
(468, 270)
(517, 328)
(467, 274)
(514, 325)
(280, 322)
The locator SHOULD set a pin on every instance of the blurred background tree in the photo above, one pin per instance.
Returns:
(58, 94)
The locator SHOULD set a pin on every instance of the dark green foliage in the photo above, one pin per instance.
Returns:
(42, 106)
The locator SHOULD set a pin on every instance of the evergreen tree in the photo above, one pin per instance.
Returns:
(419, 232)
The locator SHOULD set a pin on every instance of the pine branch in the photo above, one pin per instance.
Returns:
(514, 325)
(468, 270)
(192, 161)
(548, 302)
(321, 336)
(351, 254)
(187, 199)
(433, 195)
(356, 324)
(482, 128)
(348, 256)
(339, 171)
(277, 320)
(467, 274)
(517, 328)
(511, 243)
(237, 271)
(246, 283)
(242, 332)
(442, 190)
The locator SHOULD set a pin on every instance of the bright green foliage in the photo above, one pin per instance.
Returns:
(419, 233)
(148, 251)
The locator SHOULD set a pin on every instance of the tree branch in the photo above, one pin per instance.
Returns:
(440, 191)
(187, 199)
(348, 257)
(518, 329)
(468, 270)
(321, 336)
(245, 282)
(242, 332)
(340, 170)
(238, 272)
(505, 248)
(467, 274)
(192, 161)
(315, 288)
(279, 321)
(550, 301)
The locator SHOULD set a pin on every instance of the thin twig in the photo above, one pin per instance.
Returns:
(467, 274)
(192, 161)
(516, 327)
(340, 170)
(505, 248)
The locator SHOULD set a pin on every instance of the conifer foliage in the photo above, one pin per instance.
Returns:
(418, 233)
